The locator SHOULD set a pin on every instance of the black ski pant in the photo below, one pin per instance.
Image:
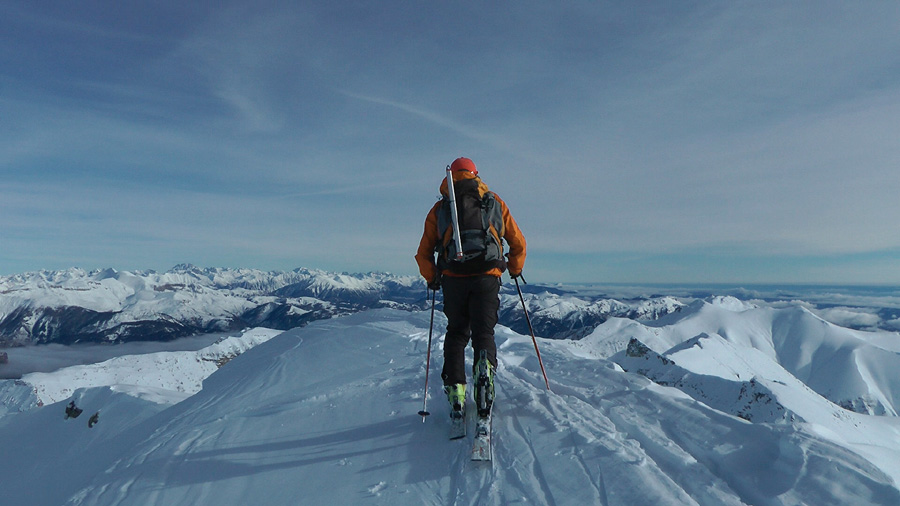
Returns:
(471, 304)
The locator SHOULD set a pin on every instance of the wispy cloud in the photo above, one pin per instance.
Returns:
(698, 133)
(421, 113)
(467, 131)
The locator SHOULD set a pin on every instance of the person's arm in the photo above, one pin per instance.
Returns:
(425, 253)
(516, 241)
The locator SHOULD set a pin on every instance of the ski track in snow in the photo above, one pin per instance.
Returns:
(326, 414)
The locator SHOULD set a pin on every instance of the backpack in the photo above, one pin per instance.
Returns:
(480, 230)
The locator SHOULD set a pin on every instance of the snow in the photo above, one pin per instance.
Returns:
(168, 377)
(326, 414)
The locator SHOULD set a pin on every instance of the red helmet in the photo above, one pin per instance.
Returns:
(463, 164)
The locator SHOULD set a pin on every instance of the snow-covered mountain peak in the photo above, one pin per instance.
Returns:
(101, 274)
(187, 268)
(731, 303)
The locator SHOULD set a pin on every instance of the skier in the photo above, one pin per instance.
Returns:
(72, 411)
(469, 276)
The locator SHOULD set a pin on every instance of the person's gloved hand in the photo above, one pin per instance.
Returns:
(435, 284)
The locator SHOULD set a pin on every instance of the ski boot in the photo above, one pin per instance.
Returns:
(484, 385)
(456, 394)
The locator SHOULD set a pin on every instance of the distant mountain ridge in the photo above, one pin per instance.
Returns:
(111, 306)
(106, 305)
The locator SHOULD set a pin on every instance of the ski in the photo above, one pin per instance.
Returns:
(484, 400)
(481, 448)
(457, 425)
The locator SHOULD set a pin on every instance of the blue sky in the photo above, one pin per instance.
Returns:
(745, 142)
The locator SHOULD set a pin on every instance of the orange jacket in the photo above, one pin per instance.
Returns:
(431, 239)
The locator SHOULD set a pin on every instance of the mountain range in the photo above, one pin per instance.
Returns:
(110, 306)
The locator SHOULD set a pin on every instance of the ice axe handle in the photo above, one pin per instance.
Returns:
(454, 215)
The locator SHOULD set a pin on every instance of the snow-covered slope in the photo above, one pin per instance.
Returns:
(167, 377)
(325, 414)
(855, 369)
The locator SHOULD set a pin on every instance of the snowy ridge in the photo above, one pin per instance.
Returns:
(854, 369)
(166, 377)
(326, 414)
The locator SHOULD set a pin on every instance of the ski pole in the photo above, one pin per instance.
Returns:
(424, 411)
(531, 329)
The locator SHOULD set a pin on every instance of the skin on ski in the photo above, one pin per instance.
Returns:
(458, 427)
(481, 447)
